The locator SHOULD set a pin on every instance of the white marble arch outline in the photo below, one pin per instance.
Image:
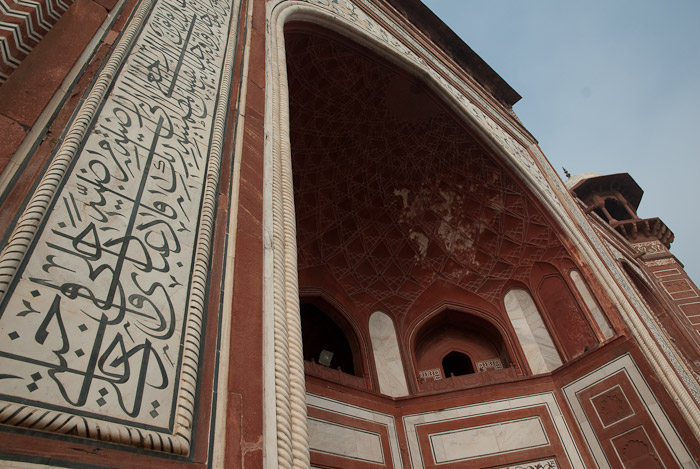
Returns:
(388, 361)
(284, 409)
(532, 333)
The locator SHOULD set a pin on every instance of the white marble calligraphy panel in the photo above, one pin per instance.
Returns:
(94, 323)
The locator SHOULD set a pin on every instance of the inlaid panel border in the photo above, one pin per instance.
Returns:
(625, 365)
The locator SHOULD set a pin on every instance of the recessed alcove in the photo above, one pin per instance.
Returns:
(331, 347)
(457, 364)
(397, 196)
(563, 313)
(458, 344)
(324, 341)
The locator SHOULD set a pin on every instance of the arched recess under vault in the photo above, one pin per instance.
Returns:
(392, 191)
(329, 339)
(569, 326)
(394, 194)
(456, 343)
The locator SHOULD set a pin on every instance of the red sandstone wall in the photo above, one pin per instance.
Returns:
(624, 424)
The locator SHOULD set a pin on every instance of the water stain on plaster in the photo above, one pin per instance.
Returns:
(455, 231)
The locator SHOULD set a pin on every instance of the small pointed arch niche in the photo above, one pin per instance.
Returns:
(331, 345)
(457, 364)
(454, 348)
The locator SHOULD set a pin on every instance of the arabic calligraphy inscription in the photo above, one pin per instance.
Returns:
(95, 323)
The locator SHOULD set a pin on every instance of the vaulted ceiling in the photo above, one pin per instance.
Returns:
(392, 192)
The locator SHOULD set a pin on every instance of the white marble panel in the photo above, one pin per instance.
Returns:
(591, 304)
(485, 440)
(541, 354)
(347, 442)
(103, 318)
(387, 358)
(546, 400)
(342, 408)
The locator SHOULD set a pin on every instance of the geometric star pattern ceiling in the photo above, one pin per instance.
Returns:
(391, 192)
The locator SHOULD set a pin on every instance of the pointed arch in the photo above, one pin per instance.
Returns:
(514, 148)
(467, 337)
(326, 328)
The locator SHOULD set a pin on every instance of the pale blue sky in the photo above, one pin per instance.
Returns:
(608, 86)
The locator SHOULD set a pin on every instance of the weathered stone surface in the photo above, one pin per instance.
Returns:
(11, 135)
(31, 86)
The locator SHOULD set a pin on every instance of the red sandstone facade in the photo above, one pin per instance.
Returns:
(395, 277)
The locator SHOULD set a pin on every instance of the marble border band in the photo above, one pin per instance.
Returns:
(346, 433)
(546, 400)
(355, 412)
(507, 430)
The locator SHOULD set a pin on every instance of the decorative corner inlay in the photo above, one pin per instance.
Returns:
(612, 406)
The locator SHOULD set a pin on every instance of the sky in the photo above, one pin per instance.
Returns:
(607, 86)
